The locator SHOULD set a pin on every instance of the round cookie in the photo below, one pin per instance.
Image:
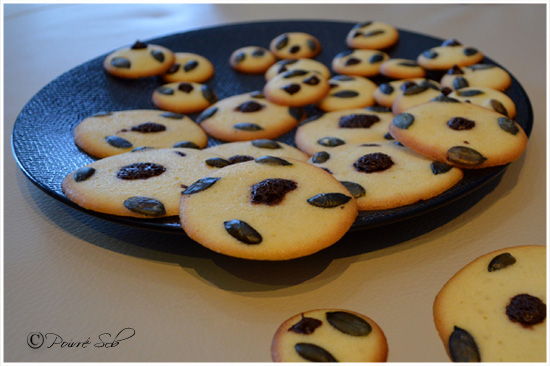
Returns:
(450, 53)
(295, 45)
(267, 209)
(329, 335)
(347, 92)
(359, 62)
(139, 60)
(372, 35)
(297, 63)
(111, 133)
(494, 308)
(238, 152)
(385, 174)
(486, 75)
(296, 88)
(488, 98)
(184, 97)
(400, 68)
(247, 117)
(252, 60)
(189, 67)
(386, 93)
(144, 183)
(460, 134)
(325, 132)
(415, 93)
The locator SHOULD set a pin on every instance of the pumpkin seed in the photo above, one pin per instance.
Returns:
(376, 58)
(258, 52)
(465, 156)
(282, 42)
(374, 33)
(246, 126)
(386, 88)
(501, 261)
(145, 206)
(249, 106)
(190, 65)
(173, 69)
(378, 109)
(142, 148)
(272, 160)
(328, 200)
(355, 189)
(257, 95)
(296, 113)
(455, 70)
(172, 115)
(352, 61)
(469, 93)
(200, 185)
(312, 45)
(187, 144)
(311, 119)
(158, 55)
(312, 80)
(439, 167)
(118, 142)
(320, 157)
(498, 107)
(345, 94)
(344, 53)
(235, 159)
(470, 51)
(430, 54)
(102, 114)
(444, 99)
(209, 94)
(343, 78)
(266, 144)
(403, 120)
(165, 90)
(294, 73)
(415, 89)
(148, 127)
(408, 63)
(481, 67)
(121, 62)
(313, 353)
(363, 25)
(330, 141)
(207, 114)
(242, 231)
(463, 347)
(508, 125)
(217, 162)
(83, 174)
(349, 323)
(239, 57)
(460, 82)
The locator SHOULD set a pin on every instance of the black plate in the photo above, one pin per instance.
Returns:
(42, 137)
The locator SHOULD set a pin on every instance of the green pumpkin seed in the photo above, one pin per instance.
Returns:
(374, 33)
(431, 54)
(246, 126)
(187, 144)
(320, 157)
(118, 142)
(190, 65)
(469, 93)
(145, 206)
(345, 94)
(207, 114)
(172, 115)
(501, 261)
(294, 73)
(282, 42)
(343, 78)
(165, 90)
(463, 347)
(330, 141)
(481, 67)
(460, 82)
(200, 185)
(257, 95)
(121, 62)
(508, 125)
(158, 55)
(313, 353)
(444, 99)
(272, 160)
(498, 107)
(209, 94)
(403, 120)
(465, 156)
(243, 232)
(408, 63)
(362, 25)
(239, 57)
(217, 162)
(102, 114)
(439, 167)
(470, 51)
(83, 174)
(312, 45)
(349, 323)
(296, 113)
(378, 109)
(266, 144)
(355, 189)
(376, 58)
(328, 200)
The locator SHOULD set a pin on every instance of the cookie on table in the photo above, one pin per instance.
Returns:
(494, 308)
(144, 183)
(267, 209)
(326, 131)
(184, 97)
(400, 68)
(460, 134)
(297, 63)
(386, 93)
(347, 92)
(189, 67)
(450, 53)
(488, 98)
(241, 151)
(384, 174)
(111, 133)
(295, 45)
(139, 60)
(359, 62)
(329, 335)
(296, 88)
(415, 93)
(252, 60)
(247, 117)
(372, 35)
(486, 75)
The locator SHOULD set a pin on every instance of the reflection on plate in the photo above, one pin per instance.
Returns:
(42, 138)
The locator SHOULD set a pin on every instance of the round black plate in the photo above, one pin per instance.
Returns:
(42, 137)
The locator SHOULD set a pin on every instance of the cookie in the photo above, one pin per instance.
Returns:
(400, 68)
(247, 117)
(359, 62)
(372, 35)
(347, 92)
(267, 209)
(252, 60)
(329, 335)
(460, 134)
(144, 183)
(386, 93)
(241, 151)
(297, 63)
(111, 133)
(488, 98)
(184, 97)
(486, 75)
(415, 93)
(494, 309)
(450, 53)
(385, 174)
(189, 67)
(295, 45)
(139, 60)
(326, 131)
(296, 88)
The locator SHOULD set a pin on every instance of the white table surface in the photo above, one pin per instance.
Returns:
(78, 277)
